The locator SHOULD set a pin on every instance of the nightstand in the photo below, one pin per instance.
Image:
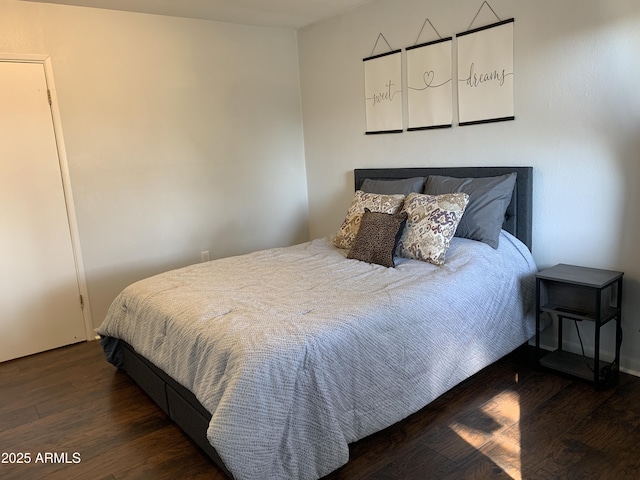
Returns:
(582, 294)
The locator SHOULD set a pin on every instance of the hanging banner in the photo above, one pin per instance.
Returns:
(485, 74)
(383, 92)
(429, 85)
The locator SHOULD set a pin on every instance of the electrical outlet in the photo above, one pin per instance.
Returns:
(204, 256)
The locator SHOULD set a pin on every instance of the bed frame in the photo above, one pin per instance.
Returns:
(188, 413)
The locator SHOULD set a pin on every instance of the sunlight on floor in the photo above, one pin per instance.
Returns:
(496, 432)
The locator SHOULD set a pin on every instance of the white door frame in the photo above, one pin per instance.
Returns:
(45, 60)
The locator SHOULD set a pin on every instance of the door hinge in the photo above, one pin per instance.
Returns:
(81, 302)
(49, 96)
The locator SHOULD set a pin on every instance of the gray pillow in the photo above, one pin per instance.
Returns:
(489, 198)
(392, 187)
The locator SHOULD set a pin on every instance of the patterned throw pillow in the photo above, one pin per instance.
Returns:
(431, 223)
(378, 237)
(373, 201)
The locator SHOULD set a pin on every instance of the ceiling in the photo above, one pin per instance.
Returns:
(271, 13)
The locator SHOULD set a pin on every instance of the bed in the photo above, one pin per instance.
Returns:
(274, 361)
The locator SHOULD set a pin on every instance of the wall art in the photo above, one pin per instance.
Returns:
(486, 74)
(383, 92)
(429, 85)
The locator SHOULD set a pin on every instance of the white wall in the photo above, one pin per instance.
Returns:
(181, 136)
(577, 107)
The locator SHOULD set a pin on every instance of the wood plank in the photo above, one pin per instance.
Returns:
(508, 421)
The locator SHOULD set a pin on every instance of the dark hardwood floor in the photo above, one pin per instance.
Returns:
(509, 421)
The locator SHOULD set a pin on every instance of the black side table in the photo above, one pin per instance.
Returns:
(580, 294)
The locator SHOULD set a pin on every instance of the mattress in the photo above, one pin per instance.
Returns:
(297, 352)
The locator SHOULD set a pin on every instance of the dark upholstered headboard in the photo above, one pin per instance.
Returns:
(518, 218)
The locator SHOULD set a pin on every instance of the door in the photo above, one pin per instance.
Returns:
(40, 305)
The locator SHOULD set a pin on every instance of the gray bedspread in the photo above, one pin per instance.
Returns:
(298, 351)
